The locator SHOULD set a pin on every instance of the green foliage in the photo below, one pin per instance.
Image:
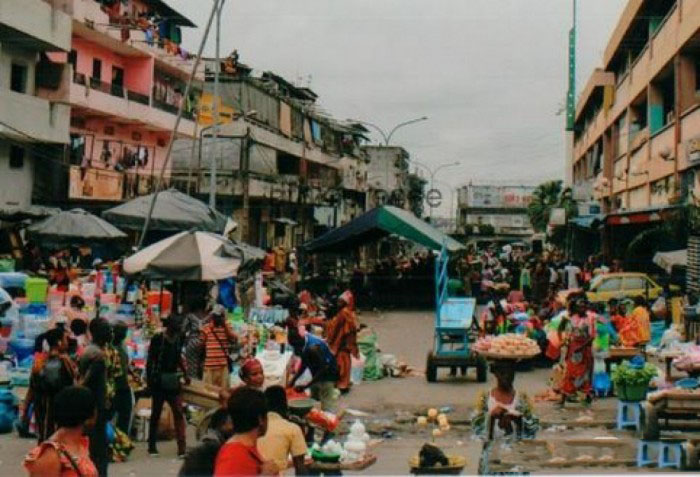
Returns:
(547, 196)
(627, 375)
(416, 194)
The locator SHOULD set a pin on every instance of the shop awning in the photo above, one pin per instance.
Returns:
(640, 216)
(379, 223)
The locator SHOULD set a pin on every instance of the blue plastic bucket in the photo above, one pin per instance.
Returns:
(22, 348)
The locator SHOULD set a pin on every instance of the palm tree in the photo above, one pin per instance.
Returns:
(547, 196)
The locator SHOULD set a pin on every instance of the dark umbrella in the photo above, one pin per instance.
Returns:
(173, 212)
(32, 212)
(75, 225)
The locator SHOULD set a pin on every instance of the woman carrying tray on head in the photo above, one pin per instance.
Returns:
(503, 411)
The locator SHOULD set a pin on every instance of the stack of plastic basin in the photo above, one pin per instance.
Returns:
(34, 325)
(22, 348)
(36, 289)
(13, 280)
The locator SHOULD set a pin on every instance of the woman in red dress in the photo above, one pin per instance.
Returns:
(580, 331)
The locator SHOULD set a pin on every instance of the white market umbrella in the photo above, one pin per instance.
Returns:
(191, 256)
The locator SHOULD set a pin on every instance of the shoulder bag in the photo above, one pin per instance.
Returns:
(169, 382)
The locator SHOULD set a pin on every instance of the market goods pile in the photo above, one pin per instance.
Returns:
(507, 346)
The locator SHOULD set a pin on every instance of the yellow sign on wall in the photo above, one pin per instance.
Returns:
(206, 111)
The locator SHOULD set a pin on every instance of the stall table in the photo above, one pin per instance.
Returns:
(668, 358)
(669, 404)
(619, 354)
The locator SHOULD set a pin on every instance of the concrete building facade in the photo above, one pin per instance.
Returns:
(285, 170)
(123, 79)
(638, 118)
(33, 130)
(388, 175)
(502, 207)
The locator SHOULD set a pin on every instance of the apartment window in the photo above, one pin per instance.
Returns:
(73, 60)
(16, 157)
(97, 69)
(117, 81)
(18, 78)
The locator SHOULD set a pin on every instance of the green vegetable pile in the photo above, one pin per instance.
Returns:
(627, 375)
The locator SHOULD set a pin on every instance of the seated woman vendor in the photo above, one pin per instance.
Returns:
(636, 329)
(503, 411)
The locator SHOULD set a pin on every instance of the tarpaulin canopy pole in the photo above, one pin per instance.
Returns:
(147, 223)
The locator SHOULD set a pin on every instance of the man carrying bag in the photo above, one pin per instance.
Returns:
(164, 360)
(218, 339)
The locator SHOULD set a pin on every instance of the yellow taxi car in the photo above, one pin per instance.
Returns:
(622, 285)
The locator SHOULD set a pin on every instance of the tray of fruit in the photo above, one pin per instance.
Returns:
(508, 346)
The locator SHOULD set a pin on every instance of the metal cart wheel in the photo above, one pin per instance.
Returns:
(481, 370)
(431, 369)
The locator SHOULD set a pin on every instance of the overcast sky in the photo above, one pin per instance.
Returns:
(490, 74)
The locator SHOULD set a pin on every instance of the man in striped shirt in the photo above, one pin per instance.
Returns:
(218, 338)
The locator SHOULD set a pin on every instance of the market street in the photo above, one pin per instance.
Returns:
(408, 335)
(313, 237)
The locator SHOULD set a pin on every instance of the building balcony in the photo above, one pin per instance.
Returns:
(662, 153)
(94, 25)
(126, 106)
(33, 119)
(35, 24)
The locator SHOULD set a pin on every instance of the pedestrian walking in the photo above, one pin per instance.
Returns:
(240, 456)
(66, 452)
(341, 335)
(93, 375)
(52, 372)
(122, 403)
(162, 365)
(218, 338)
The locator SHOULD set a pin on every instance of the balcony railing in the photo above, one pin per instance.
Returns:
(99, 85)
(138, 98)
(172, 109)
(121, 92)
(163, 106)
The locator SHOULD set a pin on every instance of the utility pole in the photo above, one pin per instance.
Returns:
(245, 183)
(217, 71)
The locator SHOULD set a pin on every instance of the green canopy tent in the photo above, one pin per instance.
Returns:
(378, 223)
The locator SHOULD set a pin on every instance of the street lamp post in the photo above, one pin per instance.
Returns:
(387, 137)
(433, 173)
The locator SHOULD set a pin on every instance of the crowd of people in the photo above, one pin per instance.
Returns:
(86, 359)
(544, 296)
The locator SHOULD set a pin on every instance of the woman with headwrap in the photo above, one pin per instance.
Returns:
(341, 336)
(252, 375)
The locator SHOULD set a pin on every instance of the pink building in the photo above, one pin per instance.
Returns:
(124, 80)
